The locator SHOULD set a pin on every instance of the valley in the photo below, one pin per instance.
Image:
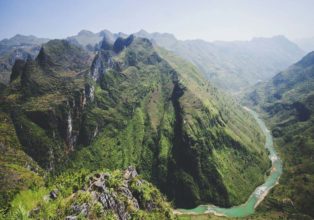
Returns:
(214, 121)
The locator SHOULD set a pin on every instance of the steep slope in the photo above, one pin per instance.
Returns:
(18, 47)
(287, 101)
(44, 96)
(17, 170)
(233, 66)
(136, 105)
(147, 113)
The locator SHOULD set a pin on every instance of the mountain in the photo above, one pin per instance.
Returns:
(233, 66)
(287, 101)
(18, 47)
(135, 104)
(20, 40)
(306, 44)
(22, 47)
(90, 41)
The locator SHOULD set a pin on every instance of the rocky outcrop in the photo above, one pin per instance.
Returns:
(118, 195)
(110, 200)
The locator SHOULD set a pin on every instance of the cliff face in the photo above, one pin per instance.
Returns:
(47, 97)
(136, 104)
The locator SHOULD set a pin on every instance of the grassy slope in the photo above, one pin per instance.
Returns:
(287, 104)
(249, 160)
(17, 170)
(134, 120)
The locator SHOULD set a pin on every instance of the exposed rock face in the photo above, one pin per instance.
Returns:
(53, 194)
(109, 200)
(121, 43)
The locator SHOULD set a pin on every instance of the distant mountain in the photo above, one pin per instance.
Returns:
(132, 104)
(27, 47)
(90, 41)
(233, 66)
(306, 44)
(287, 102)
(18, 47)
(20, 40)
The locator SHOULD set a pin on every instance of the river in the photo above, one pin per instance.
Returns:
(259, 193)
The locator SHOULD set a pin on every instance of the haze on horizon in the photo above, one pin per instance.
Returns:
(199, 19)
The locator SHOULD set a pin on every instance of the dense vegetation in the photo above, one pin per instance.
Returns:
(91, 195)
(287, 102)
(129, 104)
(17, 170)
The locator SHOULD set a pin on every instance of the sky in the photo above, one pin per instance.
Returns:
(186, 19)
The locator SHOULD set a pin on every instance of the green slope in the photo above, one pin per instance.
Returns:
(133, 104)
(287, 103)
(176, 128)
(17, 170)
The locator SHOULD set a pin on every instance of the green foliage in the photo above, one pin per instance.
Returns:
(150, 109)
(36, 204)
(28, 199)
(287, 103)
(226, 141)
(17, 170)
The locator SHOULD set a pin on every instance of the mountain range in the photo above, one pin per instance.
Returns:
(116, 126)
(236, 65)
(231, 66)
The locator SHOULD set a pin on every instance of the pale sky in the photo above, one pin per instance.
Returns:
(202, 19)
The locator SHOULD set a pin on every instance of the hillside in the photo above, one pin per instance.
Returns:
(233, 66)
(287, 102)
(134, 104)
